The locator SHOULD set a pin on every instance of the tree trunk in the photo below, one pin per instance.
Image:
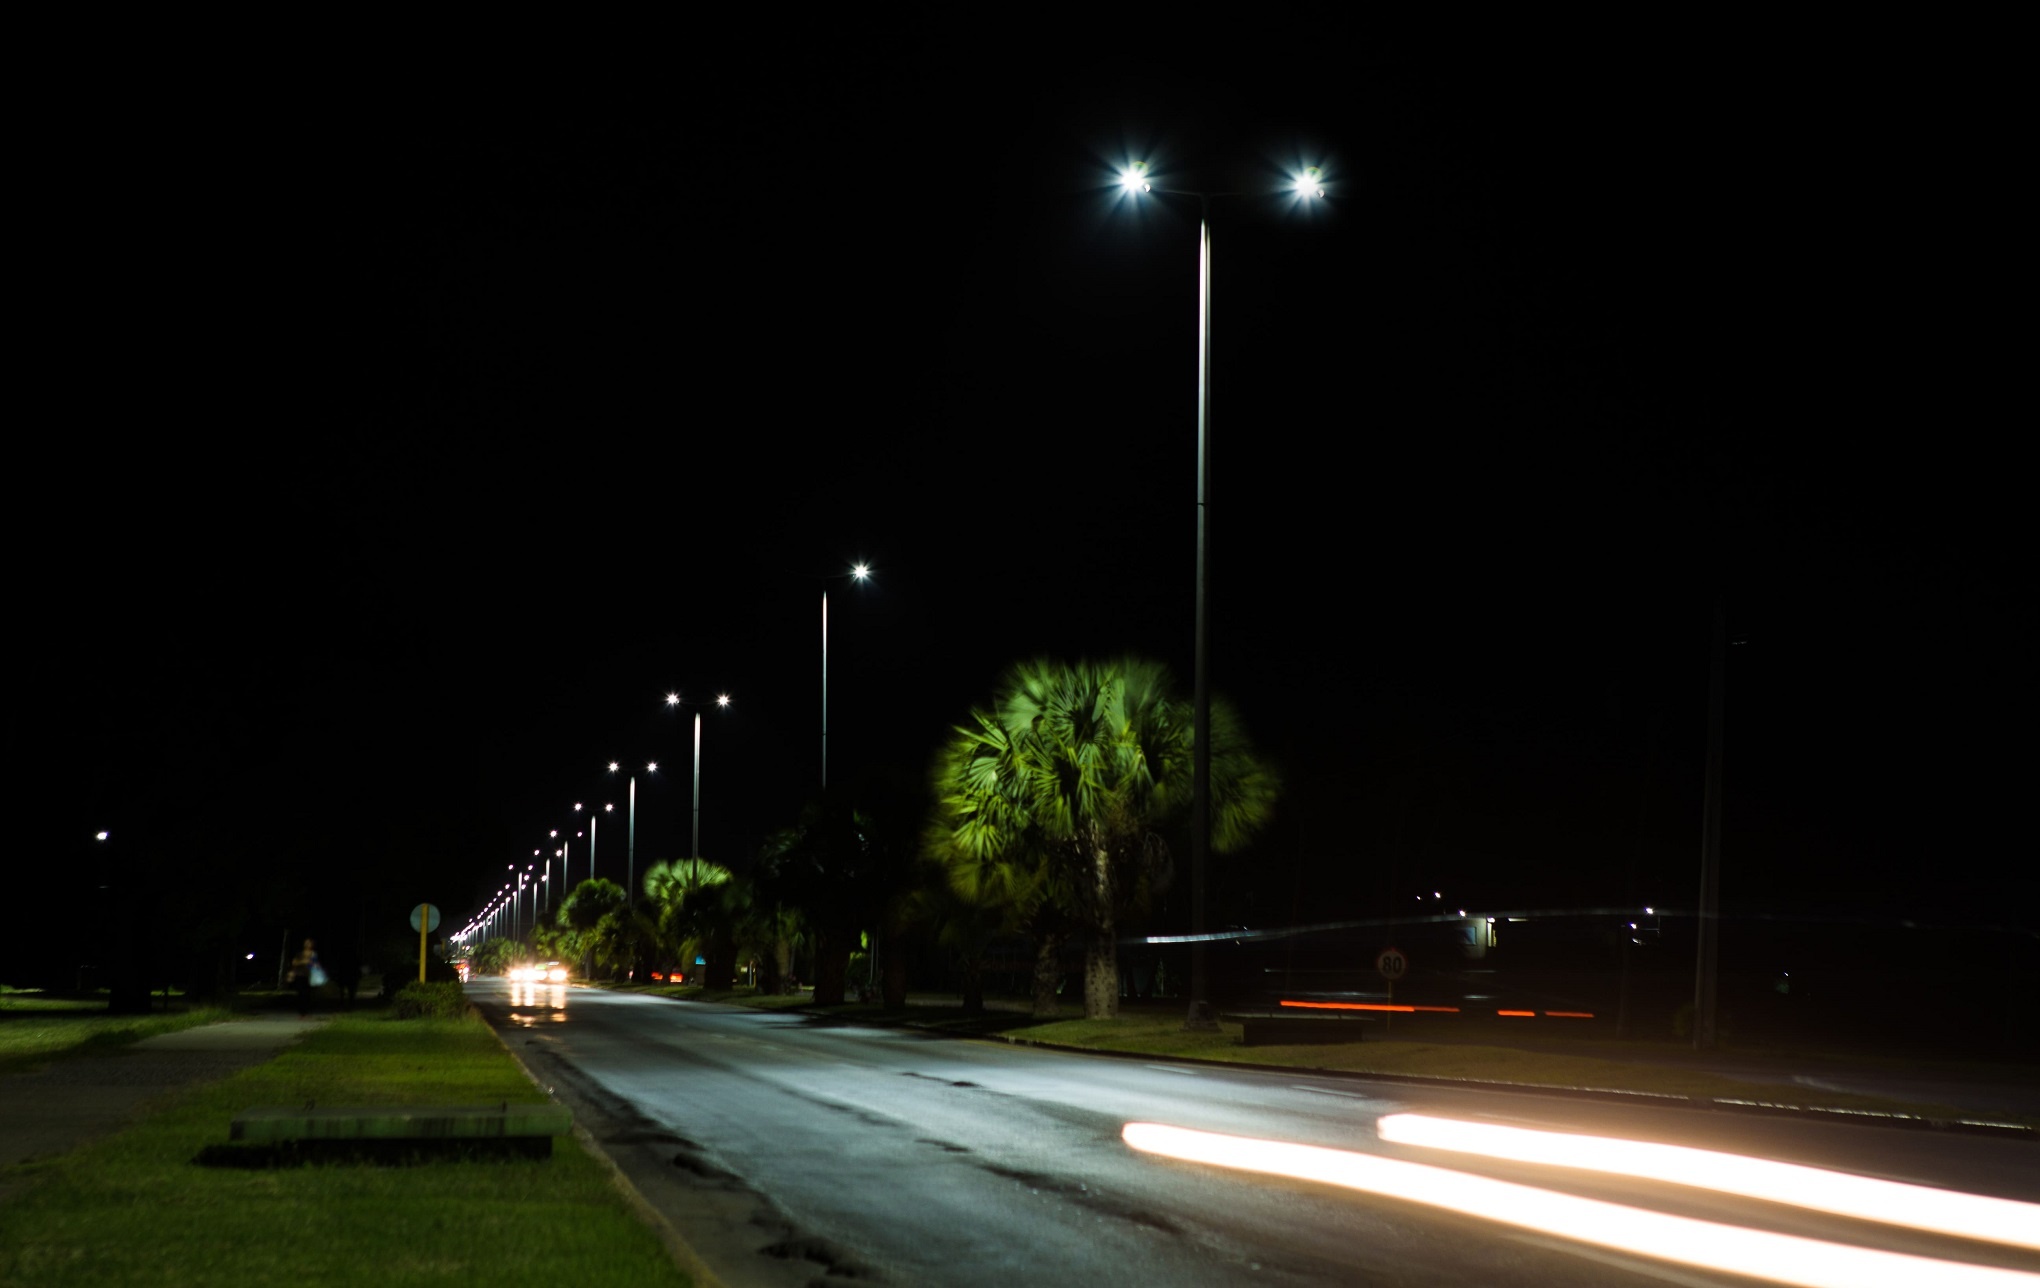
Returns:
(1101, 954)
(1047, 974)
(892, 968)
(973, 984)
(832, 966)
(782, 964)
(1101, 977)
(721, 964)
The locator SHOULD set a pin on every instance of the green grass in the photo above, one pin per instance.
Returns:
(136, 1208)
(34, 1028)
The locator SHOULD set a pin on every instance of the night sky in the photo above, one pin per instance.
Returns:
(393, 448)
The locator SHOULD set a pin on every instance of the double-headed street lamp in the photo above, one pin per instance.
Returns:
(594, 817)
(674, 699)
(1136, 183)
(630, 842)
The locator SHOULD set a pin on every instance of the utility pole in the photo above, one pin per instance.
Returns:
(1707, 968)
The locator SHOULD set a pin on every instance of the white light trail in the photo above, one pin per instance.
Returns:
(1920, 1207)
(1779, 1258)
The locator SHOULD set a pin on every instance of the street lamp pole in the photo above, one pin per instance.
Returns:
(630, 833)
(858, 572)
(1134, 180)
(1199, 1015)
(721, 700)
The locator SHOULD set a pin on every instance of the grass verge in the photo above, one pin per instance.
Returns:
(34, 1029)
(136, 1208)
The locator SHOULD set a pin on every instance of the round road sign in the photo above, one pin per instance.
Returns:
(1392, 964)
(427, 914)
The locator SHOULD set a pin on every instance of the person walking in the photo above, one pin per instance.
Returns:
(306, 974)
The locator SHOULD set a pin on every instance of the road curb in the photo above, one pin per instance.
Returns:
(684, 1257)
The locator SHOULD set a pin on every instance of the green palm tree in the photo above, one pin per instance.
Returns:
(582, 913)
(1062, 785)
(693, 904)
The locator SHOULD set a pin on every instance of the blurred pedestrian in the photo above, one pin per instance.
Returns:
(306, 974)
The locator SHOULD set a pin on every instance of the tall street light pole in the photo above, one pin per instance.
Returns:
(674, 699)
(858, 573)
(593, 819)
(630, 833)
(1707, 963)
(1135, 182)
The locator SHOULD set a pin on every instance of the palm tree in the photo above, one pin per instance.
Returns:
(583, 911)
(970, 903)
(1068, 777)
(694, 904)
(847, 868)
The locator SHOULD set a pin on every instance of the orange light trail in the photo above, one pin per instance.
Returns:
(1531, 1014)
(1759, 1254)
(1919, 1207)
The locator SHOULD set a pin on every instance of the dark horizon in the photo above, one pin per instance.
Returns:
(394, 473)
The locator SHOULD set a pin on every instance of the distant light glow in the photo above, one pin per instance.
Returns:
(861, 572)
(612, 766)
(102, 835)
(1310, 183)
(722, 699)
(1759, 1254)
(672, 699)
(651, 766)
(1134, 178)
(1920, 1207)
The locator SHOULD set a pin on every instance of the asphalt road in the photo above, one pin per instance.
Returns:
(787, 1149)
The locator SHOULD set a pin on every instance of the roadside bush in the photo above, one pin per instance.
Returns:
(440, 1000)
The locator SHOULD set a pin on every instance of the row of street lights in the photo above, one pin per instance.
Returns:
(503, 908)
(1135, 183)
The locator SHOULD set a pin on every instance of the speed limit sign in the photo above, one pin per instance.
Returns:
(1392, 964)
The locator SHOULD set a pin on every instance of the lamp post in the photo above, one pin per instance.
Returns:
(594, 817)
(722, 700)
(630, 832)
(858, 573)
(1135, 183)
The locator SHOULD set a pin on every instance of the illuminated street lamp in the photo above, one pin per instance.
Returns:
(593, 819)
(1135, 183)
(630, 843)
(858, 573)
(722, 700)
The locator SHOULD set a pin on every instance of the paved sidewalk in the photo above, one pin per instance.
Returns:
(56, 1108)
